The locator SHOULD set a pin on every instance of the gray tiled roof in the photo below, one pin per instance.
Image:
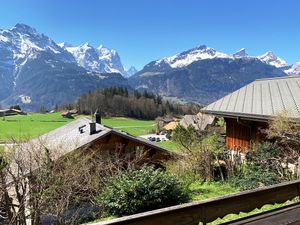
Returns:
(199, 121)
(67, 138)
(261, 99)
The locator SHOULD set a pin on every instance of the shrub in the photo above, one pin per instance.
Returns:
(264, 166)
(141, 190)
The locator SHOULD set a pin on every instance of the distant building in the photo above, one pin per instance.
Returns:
(11, 112)
(171, 126)
(199, 121)
(248, 110)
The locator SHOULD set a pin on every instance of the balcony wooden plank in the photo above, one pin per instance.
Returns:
(286, 215)
(212, 209)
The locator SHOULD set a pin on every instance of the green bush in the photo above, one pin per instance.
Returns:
(263, 167)
(136, 191)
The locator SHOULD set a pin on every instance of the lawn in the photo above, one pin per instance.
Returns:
(132, 126)
(29, 126)
(24, 127)
(171, 145)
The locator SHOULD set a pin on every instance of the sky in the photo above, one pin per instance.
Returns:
(145, 30)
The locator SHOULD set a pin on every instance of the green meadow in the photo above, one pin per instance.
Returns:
(23, 127)
(132, 126)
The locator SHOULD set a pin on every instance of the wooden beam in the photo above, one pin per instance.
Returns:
(210, 210)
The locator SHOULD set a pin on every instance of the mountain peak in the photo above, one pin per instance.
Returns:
(270, 58)
(240, 53)
(100, 46)
(131, 71)
(195, 54)
(65, 45)
(24, 28)
(86, 45)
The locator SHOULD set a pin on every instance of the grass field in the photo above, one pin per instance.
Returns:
(29, 126)
(132, 126)
(169, 145)
(32, 125)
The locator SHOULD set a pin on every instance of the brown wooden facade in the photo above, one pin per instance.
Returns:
(242, 134)
(119, 147)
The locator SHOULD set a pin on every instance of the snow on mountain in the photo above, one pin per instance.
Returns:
(203, 52)
(131, 71)
(22, 43)
(294, 69)
(240, 53)
(187, 57)
(99, 59)
(35, 71)
(64, 45)
(272, 59)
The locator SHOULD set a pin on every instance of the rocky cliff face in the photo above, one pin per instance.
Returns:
(203, 80)
(35, 71)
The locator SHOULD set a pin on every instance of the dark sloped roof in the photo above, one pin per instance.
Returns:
(67, 138)
(261, 99)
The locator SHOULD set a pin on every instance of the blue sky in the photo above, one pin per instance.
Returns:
(142, 31)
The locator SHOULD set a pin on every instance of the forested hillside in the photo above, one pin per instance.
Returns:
(117, 101)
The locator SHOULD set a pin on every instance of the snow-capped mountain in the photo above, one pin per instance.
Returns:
(19, 45)
(272, 59)
(240, 53)
(203, 52)
(23, 42)
(187, 57)
(131, 71)
(101, 59)
(202, 74)
(294, 69)
(35, 71)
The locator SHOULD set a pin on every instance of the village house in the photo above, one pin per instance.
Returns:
(249, 110)
(199, 121)
(91, 137)
(11, 112)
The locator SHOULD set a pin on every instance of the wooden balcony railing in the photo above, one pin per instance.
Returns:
(210, 210)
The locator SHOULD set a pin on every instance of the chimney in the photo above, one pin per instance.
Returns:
(97, 117)
(92, 127)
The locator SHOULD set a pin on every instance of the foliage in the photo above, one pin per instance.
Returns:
(263, 166)
(117, 101)
(188, 138)
(286, 132)
(54, 184)
(203, 153)
(141, 190)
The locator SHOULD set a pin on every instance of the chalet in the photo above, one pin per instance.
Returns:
(85, 135)
(11, 112)
(199, 121)
(89, 137)
(248, 110)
